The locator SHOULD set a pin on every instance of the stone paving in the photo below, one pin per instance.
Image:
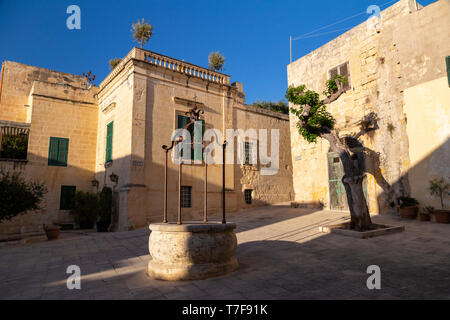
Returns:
(281, 253)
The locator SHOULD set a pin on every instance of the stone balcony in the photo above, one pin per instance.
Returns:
(162, 61)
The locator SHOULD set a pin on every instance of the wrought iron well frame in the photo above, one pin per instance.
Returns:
(194, 116)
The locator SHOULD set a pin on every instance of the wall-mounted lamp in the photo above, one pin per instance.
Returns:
(95, 183)
(114, 177)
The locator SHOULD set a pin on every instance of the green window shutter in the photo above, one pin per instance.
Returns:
(447, 59)
(58, 152)
(182, 122)
(53, 152)
(199, 130)
(63, 151)
(67, 197)
(109, 141)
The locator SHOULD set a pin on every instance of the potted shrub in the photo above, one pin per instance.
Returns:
(408, 207)
(439, 187)
(52, 232)
(85, 209)
(105, 209)
(426, 213)
(18, 195)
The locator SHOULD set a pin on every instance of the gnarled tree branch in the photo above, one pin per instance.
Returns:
(334, 96)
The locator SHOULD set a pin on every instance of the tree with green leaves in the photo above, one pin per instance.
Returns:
(14, 146)
(85, 209)
(216, 61)
(280, 106)
(314, 121)
(113, 63)
(142, 32)
(17, 195)
(439, 187)
(105, 204)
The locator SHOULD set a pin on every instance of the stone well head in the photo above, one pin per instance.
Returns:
(192, 251)
(189, 251)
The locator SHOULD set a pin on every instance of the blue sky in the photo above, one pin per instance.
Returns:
(252, 34)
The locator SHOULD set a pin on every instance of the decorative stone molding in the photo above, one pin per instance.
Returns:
(189, 103)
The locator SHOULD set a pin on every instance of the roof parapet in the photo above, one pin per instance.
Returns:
(162, 61)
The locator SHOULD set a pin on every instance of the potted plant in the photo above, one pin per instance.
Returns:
(439, 187)
(408, 207)
(85, 209)
(105, 205)
(52, 231)
(426, 213)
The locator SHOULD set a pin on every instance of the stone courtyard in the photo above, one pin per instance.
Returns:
(282, 255)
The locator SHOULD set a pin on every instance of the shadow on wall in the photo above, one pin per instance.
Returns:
(416, 180)
(36, 168)
(143, 197)
(139, 203)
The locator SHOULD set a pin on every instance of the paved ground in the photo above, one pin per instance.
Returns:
(281, 253)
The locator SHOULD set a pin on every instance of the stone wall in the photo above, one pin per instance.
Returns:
(151, 93)
(15, 86)
(116, 105)
(408, 46)
(55, 110)
(266, 188)
(142, 96)
(427, 108)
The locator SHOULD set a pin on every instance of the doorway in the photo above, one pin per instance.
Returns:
(338, 196)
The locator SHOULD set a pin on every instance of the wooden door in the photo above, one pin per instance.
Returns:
(338, 197)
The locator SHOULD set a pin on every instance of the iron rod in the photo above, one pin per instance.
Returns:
(180, 168)
(224, 221)
(205, 203)
(165, 190)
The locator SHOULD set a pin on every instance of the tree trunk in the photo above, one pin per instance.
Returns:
(360, 217)
(352, 180)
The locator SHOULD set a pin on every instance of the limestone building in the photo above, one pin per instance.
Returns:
(398, 68)
(82, 137)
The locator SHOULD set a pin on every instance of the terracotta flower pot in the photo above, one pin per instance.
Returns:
(442, 216)
(409, 212)
(52, 232)
(424, 217)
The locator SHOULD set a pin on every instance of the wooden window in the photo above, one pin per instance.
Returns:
(196, 137)
(186, 197)
(248, 153)
(109, 141)
(248, 196)
(58, 152)
(67, 197)
(199, 132)
(344, 71)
